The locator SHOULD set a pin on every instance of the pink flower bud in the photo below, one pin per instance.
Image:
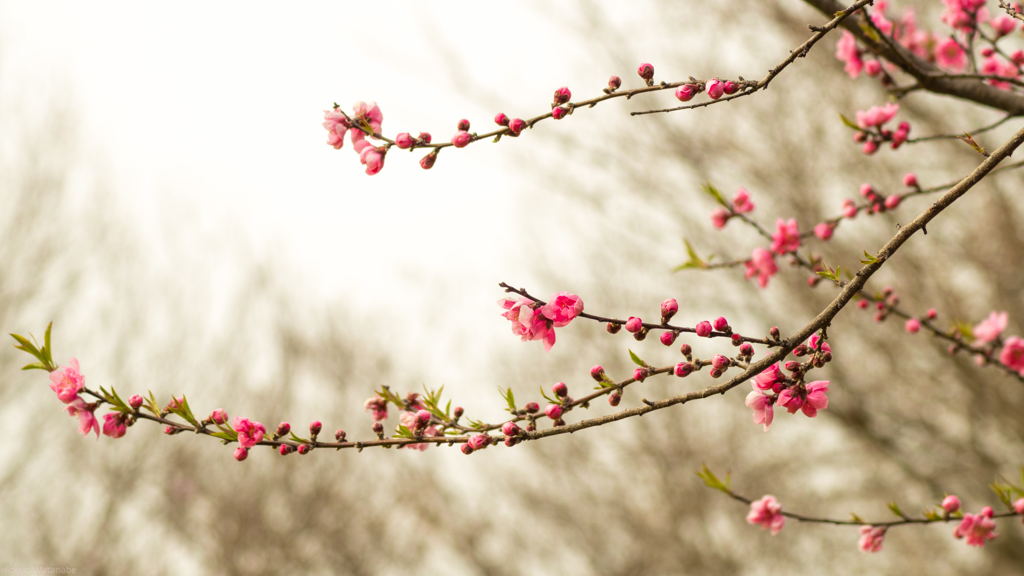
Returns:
(741, 203)
(218, 416)
(404, 141)
(910, 180)
(823, 231)
(860, 137)
(339, 435)
(715, 88)
(899, 138)
(646, 71)
(715, 372)
(685, 350)
(683, 369)
(719, 361)
(872, 68)
(467, 449)
(704, 329)
(510, 429)
(932, 314)
(560, 390)
(241, 453)
(303, 449)
(987, 51)
(862, 304)
(720, 217)
(114, 424)
(870, 147)
(913, 326)
(640, 374)
(516, 126)
(614, 83)
(1018, 506)
(511, 441)
(562, 95)
(424, 137)
(746, 349)
(614, 398)
(721, 324)
(634, 324)
(463, 125)
(170, 430)
(500, 119)
(553, 411)
(849, 209)
(559, 113)
(597, 373)
(614, 328)
(459, 411)
(532, 408)
(461, 139)
(427, 162)
(730, 88)
(866, 190)
(792, 366)
(668, 338)
(891, 202)
(136, 402)
(378, 428)
(668, 309)
(479, 441)
(774, 332)
(282, 430)
(284, 449)
(422, 419)
(950, 504)
(686, 92)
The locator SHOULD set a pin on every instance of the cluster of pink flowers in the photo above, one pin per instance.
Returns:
(989, 332)
(994, 65)
(787, 236)
(249, 434)
(772, 386)
(531, 321)
(741, 204)
(761, 264)
(365, 117)
(877, 202)
(872, 134)
(977, 528)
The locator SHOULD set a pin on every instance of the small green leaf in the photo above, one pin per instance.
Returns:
(710, 480)
(710, 190)
(932, 515)
(229, 436)
(966, 330)
(868, 258)
(694, 260)
(28, 347)
(1003, 493)
(857, 519)
(47, 351)
(546, 396)
(896, 510)
(636, 360)
(510, 398)
(294, 438)
(969, 140)
(36, 366)
(850, 123)
(403, 432)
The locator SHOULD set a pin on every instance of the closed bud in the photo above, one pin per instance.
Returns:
(614, 83)
(461, 139)
(284, 449)
(716, 372)
(891, 202)
(730, 88)
(463, 125)
(597, 373)
(932, 314)
(910, 180)
(467, 449)
(715, 88)
(458, 411)
(721, 324)
(282, 430)
(686, 92)
(641, 335)
(951, 504)
(560, 390)
(424, 137)
(703, 329)
(339, 435)
(404, 141)
(668, 338)
(668, 310)
(800, 350)
(427, 162)
(304, 449)
(792, 366)
(241, 453)
(746, 349)
(315, 427)
(614, 398)
(646, 71)
(511, 441)
(532, 408)
(559, 113)
(562, 95)
(136, 402)
(862, 304)
(422, 419)
(683, 369)
(378, 428)
(634, 324)
(510, 429)
(685, 350)
(516, 126)
(640, 374)
(553, 411)
(614, 328)
(826, 356)
(501, 119)
(774, 333)
(559, 422)
(719, 361)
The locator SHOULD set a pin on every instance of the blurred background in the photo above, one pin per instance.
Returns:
(167, 199)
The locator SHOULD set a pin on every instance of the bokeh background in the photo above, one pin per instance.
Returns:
(167, 199)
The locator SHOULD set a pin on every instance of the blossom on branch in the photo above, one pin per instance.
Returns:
(766, 512)
(761, 403)
(761, 264)
(786, 237)
(990, 328)
(67, 381)
(86, 419)
(977, 529)
(249, 433)
(871, 538)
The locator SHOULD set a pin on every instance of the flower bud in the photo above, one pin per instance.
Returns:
(315, 427)
(427, 162)
(614, 398)
(614, 328)
(703, 329)
(685, 350)
(597, 373)
(511, 429)
(500, 119)
(913, 326)
(516, 126)
(730, 88)
(532, 426)
(792, 365)
(461, 139)
(136, 402)
(719, 361)
(715, 88)
(282, 430)
(614, 83)
(668, 338)
(683, 369)
(950, 504)
(553, 411)
(910, 180)
(241, 453)
(686, 92)
(860, 137)
(891, 202)
(641, 335)
(303, 449)
(646, 71)
(932, 314)
(378, 428)
(562, 95)
(479, 441)
(870, 147)
(424, 137)
(716, 372)
(560, 390)
(634, 324)
(284, 449)
(558, 423)
(668, 310)
(823, 231)
(721, 324)
(559, 113)
(218, 416)
(467, 449)
(872, 68)
(746, 349)
(511, 441)
(422, 419)
(532, 408)
(826, 356)
(800, 350)
(339, 435)
(463, 125)
(640, 374)
(404, 141)
(862, 304)
(170, 430)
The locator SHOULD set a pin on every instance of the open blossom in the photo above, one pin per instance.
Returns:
(767, 513)
(378, 408)
(871, 538)
(996, 66)
(86, 419)
(369, 113)
(846, 51)
(561, 308)
(990, 328)
(114, 425)
(786, 237)
(741, 202)
(1012, 355)
(527, 323)
(812, 343)
(766, 380)
(719, 217)
(876, 115)
(67, 381)
(762, 406)
(1003, 25)
(810, 399)
(249, 433)
(336, 125)
(949, 55)
(977, 528)
(761, 264)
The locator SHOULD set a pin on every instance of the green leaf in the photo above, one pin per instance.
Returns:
(151, 404)
(1003, 493)
(448, 411)
(28, 347)
(694, 260)
(229, 436)
(932, 515)
(636, 360)
(36, 366)
(827, 274)
(712, 481)
(969, 140)
(403, 432)
(966, 330)
(546, 396)
(510, 398)
(294, 438)
(710, 190)
(47, 351)
(857, 519)
(868, 258)
(896, 510)
(850, 123)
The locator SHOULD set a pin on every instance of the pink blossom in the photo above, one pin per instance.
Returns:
(336, 125)
(812, 343)
(135, 401)
(249, 433)
(1003, 25)
(501, 119)
(761, 264)
(686, 92)
(378, 408)
(369, 114)
(516, 126)
(614, 83)
(846, 51)
(1018, 506)
(114, 425)
(873, 68)
(479, 441)
(761, 403)
(871, 538)
(703, 329)
(430, 432)
(527, 323)
(719, 361)
(913, 326)
(949, 55)
(879, 20)
(824, 230)
(561, 308)
(634, 325)
(892, 202)
(767, 379)
(767, 513)
(427, 162)
(1012, 355)
(910, 180)
(809, 398)
(977, 528)
(373, 158)
(730, 87)
(741, 203)
(683, 369)
(996, 66)
(786, 237)
(67, 381)
(86, 419)
(877, 115)
(715, 88)
(950, 504)
(719, 217)
(461, 139)
(721, 324)
(990, 328)
(668, 309)
(646, 71)
(559, 113)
